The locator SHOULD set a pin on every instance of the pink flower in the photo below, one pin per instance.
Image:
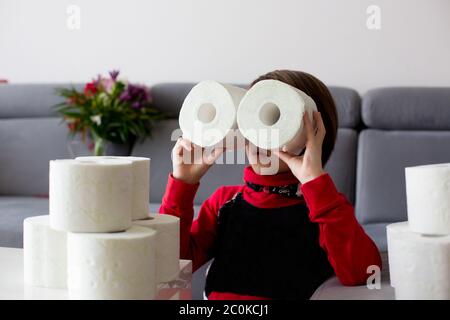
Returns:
(107, 84)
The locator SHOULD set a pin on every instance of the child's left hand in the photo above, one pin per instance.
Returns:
(308, 166)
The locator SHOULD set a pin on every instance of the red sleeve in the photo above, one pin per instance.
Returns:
(196, 237)
(350, 250)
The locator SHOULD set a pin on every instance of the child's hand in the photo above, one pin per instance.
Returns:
(308, 166)
(190, 162)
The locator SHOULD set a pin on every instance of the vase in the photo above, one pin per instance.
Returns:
(108, 148)
(117, 149)
(79, 147)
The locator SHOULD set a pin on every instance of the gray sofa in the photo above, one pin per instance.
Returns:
(379, 134)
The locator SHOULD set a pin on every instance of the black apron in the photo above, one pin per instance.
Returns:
(272, 253)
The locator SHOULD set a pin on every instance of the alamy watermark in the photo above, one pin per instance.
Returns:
(373, 21)
(374, 280)
(73, 21)
(233, 140)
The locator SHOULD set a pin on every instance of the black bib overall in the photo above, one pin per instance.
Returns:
(272, 253)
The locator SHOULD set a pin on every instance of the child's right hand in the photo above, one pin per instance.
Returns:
(191, 162)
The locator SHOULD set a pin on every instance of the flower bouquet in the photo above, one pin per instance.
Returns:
(109, 110)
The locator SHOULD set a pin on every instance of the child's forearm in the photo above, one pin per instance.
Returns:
(196, 237)
(178, 201)
(349, 249)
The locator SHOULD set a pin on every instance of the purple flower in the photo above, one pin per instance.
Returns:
(135, 95)
(136, 105)
(114, 74)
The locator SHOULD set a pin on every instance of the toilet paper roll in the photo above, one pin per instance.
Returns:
(208, 114)
(392, 233)
(428, 198)
(90, 196)
(168, 249)
(117, 265)
(141, 183)
(44, 254)
(270, 116)
(419, 265)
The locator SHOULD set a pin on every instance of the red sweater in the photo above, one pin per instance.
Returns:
(350, 251)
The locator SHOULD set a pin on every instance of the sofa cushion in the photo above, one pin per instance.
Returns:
(30, 100)
(407, 108)
(342, 164)
(348, 104)
(26, 147)
(377, 232)
(169, 97)
(13, 210)
(381, 162)
(154, 208)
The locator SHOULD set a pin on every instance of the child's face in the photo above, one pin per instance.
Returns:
(264, 162)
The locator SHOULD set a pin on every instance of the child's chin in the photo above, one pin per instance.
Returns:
(270, 169)
(265, 169)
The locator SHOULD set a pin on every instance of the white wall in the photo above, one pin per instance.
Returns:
(227, 40)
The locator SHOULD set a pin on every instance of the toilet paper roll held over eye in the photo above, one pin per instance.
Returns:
(90, 196)
(208, 114)
(428, 198)
(419, 265)
(45, 256)
(141, 183)
(270, 116)
(119, 265)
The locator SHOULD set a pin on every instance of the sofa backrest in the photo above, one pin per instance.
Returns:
(170, 96)
(31, 134)
(405, 127)
(401, 127)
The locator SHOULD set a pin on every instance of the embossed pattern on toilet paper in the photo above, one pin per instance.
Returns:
(112, 266)
(270, 116)
(45, 263)
(141, 187)
(208, 114)
(420, 265)
(168, 239)
(428, 198)
(141, 183)
(90, 196)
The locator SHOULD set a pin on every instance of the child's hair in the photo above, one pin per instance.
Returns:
(319, 92)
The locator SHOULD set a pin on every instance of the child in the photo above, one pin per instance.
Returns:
(277, 236)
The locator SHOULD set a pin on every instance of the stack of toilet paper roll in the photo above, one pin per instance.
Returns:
(269, 115)
(419, 249)
(99, 241)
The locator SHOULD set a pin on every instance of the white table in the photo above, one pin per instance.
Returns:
(12, 286)
(333, 290)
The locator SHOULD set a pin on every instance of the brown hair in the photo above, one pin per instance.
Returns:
(319, 92)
